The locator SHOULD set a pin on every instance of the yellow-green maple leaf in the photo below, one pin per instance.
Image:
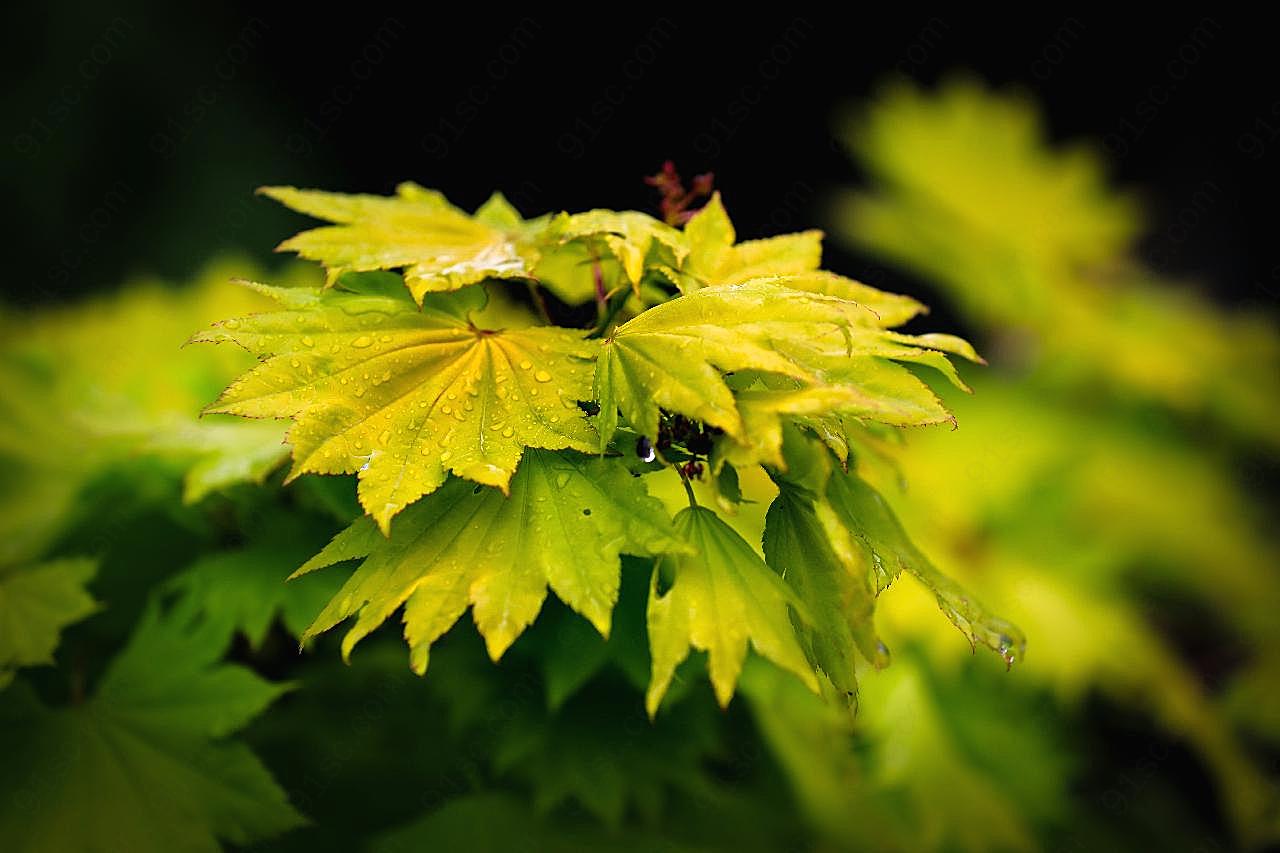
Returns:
(979, 165)
(714, 259)
(721, 596)
(630, 236)
(405, 396)
(1034, 246)
(438, 246)
(803, 327)
(565, 522)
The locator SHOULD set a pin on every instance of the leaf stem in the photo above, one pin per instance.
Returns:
(613, 306)
(540, 302)
(688, 488)
(597, 278)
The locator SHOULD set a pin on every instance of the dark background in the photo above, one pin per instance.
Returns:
(135, 133)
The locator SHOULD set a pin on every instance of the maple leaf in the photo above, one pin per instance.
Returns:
(673, 356)
(576, 754)
(715, 259)
(806, 543)
(719, 597)
(104, 386)
(977, 164)
(1031, 242)
(901, 776)
(438, 246)
(564, 524)
(635, 239)
(36, 603)
(224, 453)
(142, 765)
(854, 513)
(404, 396)
(245, 589)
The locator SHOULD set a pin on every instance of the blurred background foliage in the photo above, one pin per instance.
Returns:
(1111, 487)
(1095, 484)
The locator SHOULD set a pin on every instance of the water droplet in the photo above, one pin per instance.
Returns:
(444, 456)
(508, 432)
(447, 409)
(231, 324)
(542, 376)
(307, 340)
(293, 362)
(362, 341)
(526, 364)
(385, 438)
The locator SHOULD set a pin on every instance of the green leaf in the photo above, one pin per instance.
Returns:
(245, 589)
(836, 538)
(600, 752)
(1032, 244)
(438, 246)
(635, 239)
(764, 414)
(36, 603)
(673, 356)
(714, 259)
(572, 271)
(564, 524)
(571, 653)
(953, 803)
(866, 515)
(805, 543)
(139, 766)
(405, 396)
(719, 598)
(224, 453)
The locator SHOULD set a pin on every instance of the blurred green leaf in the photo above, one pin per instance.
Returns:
(142, 765)
(36, 603)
